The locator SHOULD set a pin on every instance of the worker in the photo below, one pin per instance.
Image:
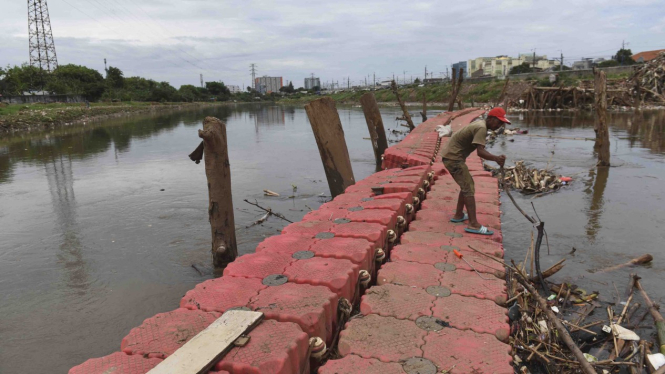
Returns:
(459, 147)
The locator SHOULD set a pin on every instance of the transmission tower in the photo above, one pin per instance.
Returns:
(252, 68)
(40, 37)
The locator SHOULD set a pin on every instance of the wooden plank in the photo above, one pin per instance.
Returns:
(329, 135)
(201, 353)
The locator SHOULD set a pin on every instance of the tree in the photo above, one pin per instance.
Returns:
(219, 90)
(288, 89)
(417, 81)
(624, 57)
(115, 78)
(521, 69)
(18, 79)
(78, 80)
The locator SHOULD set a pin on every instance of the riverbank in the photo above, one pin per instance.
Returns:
(36, 117)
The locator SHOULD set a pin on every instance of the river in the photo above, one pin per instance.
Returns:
(101, 224)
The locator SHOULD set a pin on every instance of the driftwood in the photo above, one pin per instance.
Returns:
(268, 212)
(549, 272)
(657, 317)
(644, 259)
(197, 155)
(407, 116)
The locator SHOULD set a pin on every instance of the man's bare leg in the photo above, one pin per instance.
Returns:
(459, 213)
(470, 202)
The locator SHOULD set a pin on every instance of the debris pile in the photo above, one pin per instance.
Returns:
(531, 180)
(649, 80)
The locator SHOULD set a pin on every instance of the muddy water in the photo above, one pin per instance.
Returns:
(90, 245)
(100, 226)
(609, 215)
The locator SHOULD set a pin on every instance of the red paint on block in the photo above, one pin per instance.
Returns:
(221, 294)
(356, 364)
(116, 363)
(340, 276)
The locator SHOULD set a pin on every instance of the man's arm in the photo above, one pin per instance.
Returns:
(482, 153)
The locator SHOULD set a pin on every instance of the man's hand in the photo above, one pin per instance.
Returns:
(501, 160)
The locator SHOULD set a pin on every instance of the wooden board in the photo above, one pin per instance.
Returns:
(207, 347)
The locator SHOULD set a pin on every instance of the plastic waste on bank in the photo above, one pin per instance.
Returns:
(566, 179)
(444, 131)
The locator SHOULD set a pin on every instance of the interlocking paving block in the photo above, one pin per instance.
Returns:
(258, 265)
(284, 244)
(357, 364)
(373, 232)
(422, 253)
(358, 251)
(468, 283)
(439, 204)
(385, 338)
(383, 217)
(482, 316)
(481, 263)
(440, 226)
(313, 308)
(387, 188)
(273, 348)
(409, 274)
(485, 246)
(161, 335)
(480, 196)
(424, 237)
(340, 276)
(117, 363)
(466, 351)
(497, 235)
(222, 294)
(402, 302)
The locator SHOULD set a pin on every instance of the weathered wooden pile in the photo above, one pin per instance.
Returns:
(543, 98)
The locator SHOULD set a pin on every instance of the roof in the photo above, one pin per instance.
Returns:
(647, 55)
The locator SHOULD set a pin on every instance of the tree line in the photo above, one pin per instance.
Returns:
(89, 83)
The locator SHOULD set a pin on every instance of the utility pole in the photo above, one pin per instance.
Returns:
(561, 67)
(374, 76)
(533, 62)
(201, 76)
(425, 73)
(348, 83)
(106, 69)
(404, 82)
(253, 70)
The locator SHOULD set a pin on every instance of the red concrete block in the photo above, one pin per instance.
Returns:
(117, 363)
(480, 173)
(372, 232)
(409, 274)
(284, 244)
(383, 217)
(482, 316)
(435, 204)
(387, 187)
(424, 237)
(483, 245)
(313, 308)
(467, 352)
(358, 251)
(440, 226)
(421, 253)
(221, 294)
(401, 302)
(468, 283)
(340, 276)
(273, 348)
(258, 265)
(161, 335)
(385, 338)
(356, 364)
(431, 215)
(485, 208)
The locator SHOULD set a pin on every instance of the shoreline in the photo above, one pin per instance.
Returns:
(50, 117)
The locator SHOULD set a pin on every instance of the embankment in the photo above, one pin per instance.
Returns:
(36, 117)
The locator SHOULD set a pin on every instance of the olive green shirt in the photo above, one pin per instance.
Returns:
(466, 140)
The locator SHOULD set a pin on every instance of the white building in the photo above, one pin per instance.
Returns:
(310, 83)
(267, 84)
(500, 66)
(234, 88)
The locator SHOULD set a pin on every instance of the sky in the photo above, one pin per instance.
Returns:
(177, 40)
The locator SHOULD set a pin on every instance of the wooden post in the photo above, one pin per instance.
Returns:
(602, 133)
(503, 92)
(453, 94)
(377, 133)
(424, 112)
(407, 116)
(457, 87)
(220, 202)
(329, 136)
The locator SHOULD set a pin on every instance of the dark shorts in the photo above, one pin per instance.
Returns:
(461, 175)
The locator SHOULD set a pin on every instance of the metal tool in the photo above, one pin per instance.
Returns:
(459, 255)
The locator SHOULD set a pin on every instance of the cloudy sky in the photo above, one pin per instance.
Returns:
(176, 40)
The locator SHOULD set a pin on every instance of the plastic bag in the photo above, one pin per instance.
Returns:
(444, 131)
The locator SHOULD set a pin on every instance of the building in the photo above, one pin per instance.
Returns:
(500, 66)
(460, 65)
(312, 82)
(266, 85)
(647, 55)
(233, 88)
(583, 64)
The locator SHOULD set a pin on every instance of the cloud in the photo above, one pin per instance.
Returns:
(176, 40)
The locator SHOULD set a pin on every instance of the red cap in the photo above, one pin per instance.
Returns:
(500, 114)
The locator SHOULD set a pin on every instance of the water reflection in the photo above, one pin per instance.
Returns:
(271, 115)
(595, 190)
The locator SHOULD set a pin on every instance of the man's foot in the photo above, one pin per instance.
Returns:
(457, 218)
(482, 230)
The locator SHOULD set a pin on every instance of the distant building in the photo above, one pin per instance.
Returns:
(583, 64)
(460, 65)
(233, 88)
(267, 84)
(498, 66)
(310, 83)
(647, 55)
(431, 80)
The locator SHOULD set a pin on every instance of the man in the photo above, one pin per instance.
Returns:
(460, 146)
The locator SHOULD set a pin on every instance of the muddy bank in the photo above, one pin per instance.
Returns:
(37, 117)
